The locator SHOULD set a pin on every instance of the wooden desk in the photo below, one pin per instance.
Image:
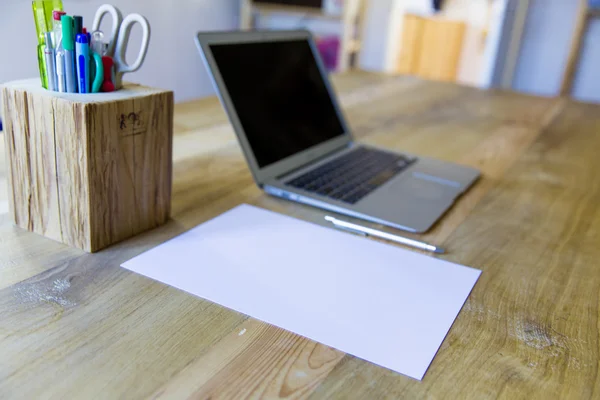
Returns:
(77, 326)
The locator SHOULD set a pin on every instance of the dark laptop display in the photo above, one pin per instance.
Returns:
(279, 95)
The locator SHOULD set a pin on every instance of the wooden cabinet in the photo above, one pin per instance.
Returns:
(412, 35)
(431, 47)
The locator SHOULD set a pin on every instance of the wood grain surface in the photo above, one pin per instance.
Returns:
(76, 325)
(88, 173)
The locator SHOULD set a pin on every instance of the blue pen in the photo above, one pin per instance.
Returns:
(82, 53)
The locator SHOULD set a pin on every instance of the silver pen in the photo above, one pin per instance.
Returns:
(383, 235)
(61, 85)
(50, 62)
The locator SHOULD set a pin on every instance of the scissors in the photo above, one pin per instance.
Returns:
(119, 38)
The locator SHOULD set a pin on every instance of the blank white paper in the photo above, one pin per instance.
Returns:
(390, 306)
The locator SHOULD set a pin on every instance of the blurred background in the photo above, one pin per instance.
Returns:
(541, 47)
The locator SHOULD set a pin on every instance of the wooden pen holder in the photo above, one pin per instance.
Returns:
(88, 170)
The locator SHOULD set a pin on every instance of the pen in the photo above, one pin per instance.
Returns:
(383, 235)
(77, 25)
(68, 44)
(82, 53)
(57, 27)
(50, 62)
(61, 85)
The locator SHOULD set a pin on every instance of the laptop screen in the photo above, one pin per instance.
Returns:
(279, 96)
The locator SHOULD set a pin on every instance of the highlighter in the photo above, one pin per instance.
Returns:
(82, 57)
(77, 24)
(42, 15)
(68, 44)
(41, 28)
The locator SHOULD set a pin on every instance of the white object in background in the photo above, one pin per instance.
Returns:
(423, 8)
(492, 49)
(381, 38)
(3, 207)
(386, 305)
(333, 7)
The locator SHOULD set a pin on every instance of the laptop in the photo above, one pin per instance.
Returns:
(298, 145)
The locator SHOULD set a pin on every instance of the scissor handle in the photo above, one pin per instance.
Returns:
(99, 76)
(124, 32)
(117, 18)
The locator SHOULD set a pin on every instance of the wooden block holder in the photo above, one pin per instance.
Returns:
(88, 170)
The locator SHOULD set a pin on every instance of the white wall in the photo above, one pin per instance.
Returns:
(545, 49)
(545, 46)
(173, 62)
(320, 26)
(586, 85)
(382, 35)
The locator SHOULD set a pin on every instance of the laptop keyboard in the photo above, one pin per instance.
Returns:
(353, 176)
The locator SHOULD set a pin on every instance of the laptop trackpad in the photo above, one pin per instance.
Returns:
(410, 201)
(427, 187)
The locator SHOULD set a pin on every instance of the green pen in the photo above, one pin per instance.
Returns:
(42, 15)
